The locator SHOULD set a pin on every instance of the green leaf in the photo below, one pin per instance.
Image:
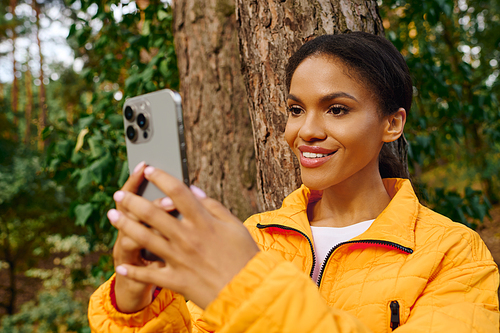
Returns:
(123, 174)
(96, 149)
(101, 198)
(115, 120)
(46, 132)
(147, 75)
(99, 166)
(54, 163)
(72, 30)
(85, 179)
(82, 213)
(63, 148)
(162, 15)
(146, 28)
(164, 68)
(131, 80)
(85, 122)
(76, 157)
(150, 86)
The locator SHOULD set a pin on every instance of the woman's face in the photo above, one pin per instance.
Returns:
(334, 127)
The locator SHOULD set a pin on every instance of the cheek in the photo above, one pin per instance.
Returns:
(290, 134)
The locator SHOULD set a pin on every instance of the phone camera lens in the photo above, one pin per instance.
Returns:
(142, 121)
(131, 133)
(129, 113)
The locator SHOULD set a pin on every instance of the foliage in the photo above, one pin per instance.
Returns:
(453, 54)
(84, 162)
(31, 206)
(125, 57)
(55, 311)
(452, 50)
(62, 305)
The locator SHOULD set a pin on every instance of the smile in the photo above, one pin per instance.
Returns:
(313, 157)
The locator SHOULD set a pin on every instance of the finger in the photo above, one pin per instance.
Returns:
(219, 211)
(147, 274)
(135, 179)
(165, 203)
(142, 235)
(183, 198)
(145, 211)
(132, 185)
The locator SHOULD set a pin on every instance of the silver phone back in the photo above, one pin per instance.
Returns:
(164, 147)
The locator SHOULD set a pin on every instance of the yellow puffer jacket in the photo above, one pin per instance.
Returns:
(413, 271)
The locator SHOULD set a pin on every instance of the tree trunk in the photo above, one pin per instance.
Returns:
(42, 117)
(270, 31)
(11, 289)
(11, 307)
(218, 131)
(29, 107)
(15, 82)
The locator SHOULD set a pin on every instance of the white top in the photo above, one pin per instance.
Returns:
(325, 238)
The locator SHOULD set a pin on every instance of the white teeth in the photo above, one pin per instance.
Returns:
(313, 155)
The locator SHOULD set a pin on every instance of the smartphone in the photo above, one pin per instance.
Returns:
(154, 133)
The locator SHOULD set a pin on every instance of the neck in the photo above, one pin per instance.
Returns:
(350, 202)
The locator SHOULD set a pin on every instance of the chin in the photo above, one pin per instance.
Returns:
(317, 183)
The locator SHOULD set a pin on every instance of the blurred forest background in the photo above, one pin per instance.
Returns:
(66, 66)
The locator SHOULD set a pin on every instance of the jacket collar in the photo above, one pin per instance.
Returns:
(395, 224)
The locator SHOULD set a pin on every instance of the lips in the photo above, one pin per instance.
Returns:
(313, 156)
(316, 149)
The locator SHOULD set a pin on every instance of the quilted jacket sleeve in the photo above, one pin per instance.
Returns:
(263, 297)
(274, 296)
(167, 313)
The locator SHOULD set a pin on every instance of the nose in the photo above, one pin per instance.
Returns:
(312, 128)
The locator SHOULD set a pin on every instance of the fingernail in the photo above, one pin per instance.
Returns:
(118, 196)
(113, 215)
(198, 192)
(139, 166)
(121, 270)
(149, 170)
(166, 202)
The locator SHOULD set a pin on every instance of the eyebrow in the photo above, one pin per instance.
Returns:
(326, 98)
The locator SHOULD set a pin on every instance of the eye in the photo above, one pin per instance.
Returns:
(338, 110)
(295, 110)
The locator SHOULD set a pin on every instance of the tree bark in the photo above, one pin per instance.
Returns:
(270, 31)
(218, 131)
(11, 289)
(15, 82)
(29, 107)
(42, 117)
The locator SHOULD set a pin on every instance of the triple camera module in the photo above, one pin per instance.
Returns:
(137, 122)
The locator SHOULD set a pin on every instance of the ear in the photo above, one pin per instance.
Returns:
(394, 126)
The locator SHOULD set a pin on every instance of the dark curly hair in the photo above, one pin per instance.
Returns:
(377, 63)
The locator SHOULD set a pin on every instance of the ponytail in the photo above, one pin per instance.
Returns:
(390, 166)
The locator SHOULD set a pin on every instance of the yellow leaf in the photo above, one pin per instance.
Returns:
(79, 141)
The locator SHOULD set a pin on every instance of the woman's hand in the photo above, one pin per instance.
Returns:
(131, 296)
(202, 252)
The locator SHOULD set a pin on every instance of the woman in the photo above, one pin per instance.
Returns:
(381, 260)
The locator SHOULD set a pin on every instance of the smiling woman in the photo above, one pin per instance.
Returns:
(351, 250)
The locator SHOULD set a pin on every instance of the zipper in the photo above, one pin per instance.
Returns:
(322, 270)
(261, 226)
(367, 241)
(394, 314)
